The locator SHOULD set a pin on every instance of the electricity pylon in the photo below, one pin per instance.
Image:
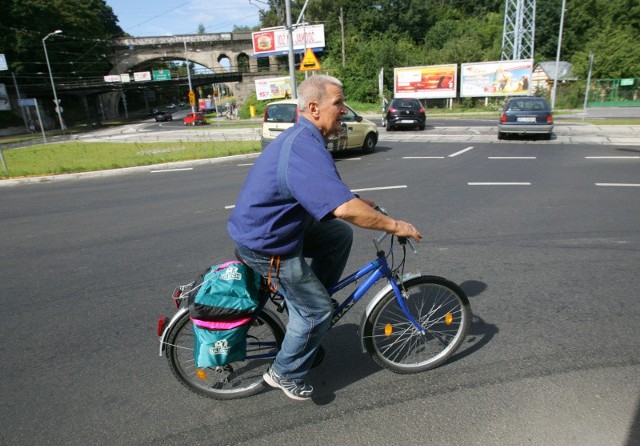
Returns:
(519, 30)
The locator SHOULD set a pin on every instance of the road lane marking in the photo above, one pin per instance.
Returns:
(612, 157)
(618, 184)
(460, 152)
(499, 184)
(423, 157)
(512, 157)
(246, 164)
(403, 186)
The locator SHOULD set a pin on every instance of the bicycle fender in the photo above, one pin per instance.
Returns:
(169, 326)
(377, 298)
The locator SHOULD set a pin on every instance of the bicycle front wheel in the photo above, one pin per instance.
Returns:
(235, 380)
(441, 308)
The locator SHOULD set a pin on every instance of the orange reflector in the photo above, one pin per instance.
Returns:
(200, 373)
(448, 318)
(388, 329)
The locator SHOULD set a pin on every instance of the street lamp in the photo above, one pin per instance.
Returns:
(53, 86)
(186, 56)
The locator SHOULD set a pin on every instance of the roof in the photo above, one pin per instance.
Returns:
(565, 70)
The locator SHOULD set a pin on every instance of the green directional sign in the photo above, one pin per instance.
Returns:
(161, 75)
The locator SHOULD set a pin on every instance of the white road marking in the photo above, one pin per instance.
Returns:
(617, 184)
(379, 188)
(353, 190)
(499, 184)
(423, 157)
(460, 152)
(512, 157)
(246, 164)
(612, 157)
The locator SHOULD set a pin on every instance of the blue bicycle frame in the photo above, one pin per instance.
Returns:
(373, 272)
(376, 270)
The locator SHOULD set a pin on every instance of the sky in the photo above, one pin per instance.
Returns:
(141, 18)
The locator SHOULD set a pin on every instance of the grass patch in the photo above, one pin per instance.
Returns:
(75, 156)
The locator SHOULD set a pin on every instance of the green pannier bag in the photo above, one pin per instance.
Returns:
(221, 308)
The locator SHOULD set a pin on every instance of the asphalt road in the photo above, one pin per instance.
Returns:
(544, 237)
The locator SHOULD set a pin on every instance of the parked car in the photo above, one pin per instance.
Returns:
(358, 133)
(526, 115)
(163, 116)
(404, 112)
(196, 118)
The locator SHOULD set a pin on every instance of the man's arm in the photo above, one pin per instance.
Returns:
(361, 214)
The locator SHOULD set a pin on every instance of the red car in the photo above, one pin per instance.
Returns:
(194, 119)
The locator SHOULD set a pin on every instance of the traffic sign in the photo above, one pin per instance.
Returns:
(161, 75)
(29, 102)
(309, 61)
(192, 98)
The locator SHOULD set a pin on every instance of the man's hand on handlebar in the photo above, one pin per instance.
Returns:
(404, 229)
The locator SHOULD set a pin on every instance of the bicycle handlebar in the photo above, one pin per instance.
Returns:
(401, 240)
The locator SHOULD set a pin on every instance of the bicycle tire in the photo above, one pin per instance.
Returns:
(234, 380)
(440, 306)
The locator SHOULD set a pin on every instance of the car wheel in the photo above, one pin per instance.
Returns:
(500, 135)
(388, 126)
(421, 127)
(369, 144)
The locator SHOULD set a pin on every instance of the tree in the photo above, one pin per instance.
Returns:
(80, 51)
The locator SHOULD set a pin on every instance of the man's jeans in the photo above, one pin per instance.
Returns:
(305, 290)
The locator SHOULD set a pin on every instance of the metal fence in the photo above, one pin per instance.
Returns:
(614, 92)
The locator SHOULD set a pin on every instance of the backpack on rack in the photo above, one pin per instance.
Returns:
(222, 304)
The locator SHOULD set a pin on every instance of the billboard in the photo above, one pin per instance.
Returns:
(434, 81)
(275, 41)
(141, 76)
(273, 88)
(505, 78)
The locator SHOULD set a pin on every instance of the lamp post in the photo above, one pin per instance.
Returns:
(193, 109)
(53, 86)
(555, 78)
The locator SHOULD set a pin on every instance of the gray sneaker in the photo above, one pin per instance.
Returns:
(296, 389)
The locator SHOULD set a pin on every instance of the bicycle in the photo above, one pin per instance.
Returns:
(415, 323)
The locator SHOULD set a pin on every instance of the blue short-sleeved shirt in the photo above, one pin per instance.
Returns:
(271, 214)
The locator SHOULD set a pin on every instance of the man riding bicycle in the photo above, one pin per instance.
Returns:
(293, 206)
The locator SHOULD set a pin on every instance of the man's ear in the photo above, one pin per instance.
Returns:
(312, 106)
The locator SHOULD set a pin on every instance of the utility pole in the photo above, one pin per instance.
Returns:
(555, 78)
(586, 93)
(53, 85)
(342, 35)
(292, 64)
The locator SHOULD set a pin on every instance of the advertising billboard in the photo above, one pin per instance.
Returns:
(141, 76)
(505, 78)
(273, 88)
(275, 41)
(434, 81)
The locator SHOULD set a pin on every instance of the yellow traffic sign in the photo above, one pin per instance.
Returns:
(309, 61)
(192, 98)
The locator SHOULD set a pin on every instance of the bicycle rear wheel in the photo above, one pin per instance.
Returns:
(235, 380)
(441, 308)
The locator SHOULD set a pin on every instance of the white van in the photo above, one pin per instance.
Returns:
(359, 133)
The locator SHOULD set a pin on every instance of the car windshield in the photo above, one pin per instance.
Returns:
(405, 103)
(281, 113)
(527, 104)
